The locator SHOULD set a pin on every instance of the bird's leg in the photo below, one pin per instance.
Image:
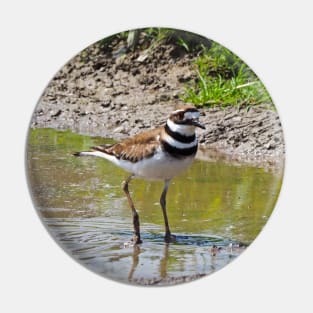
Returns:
(136, 237)
(168, 236)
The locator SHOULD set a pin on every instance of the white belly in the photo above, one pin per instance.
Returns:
(159, 167)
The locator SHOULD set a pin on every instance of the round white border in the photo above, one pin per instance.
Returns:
(273, 38)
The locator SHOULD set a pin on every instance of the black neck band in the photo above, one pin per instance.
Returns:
(179, 153)
(179, 137)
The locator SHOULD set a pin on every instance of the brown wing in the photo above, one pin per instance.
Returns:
(135, 148)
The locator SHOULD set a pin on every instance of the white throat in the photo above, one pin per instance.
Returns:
(186, 130)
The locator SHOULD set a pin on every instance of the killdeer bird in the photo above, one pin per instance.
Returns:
(157, 154)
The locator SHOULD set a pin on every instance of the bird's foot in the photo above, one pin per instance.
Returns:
(169, 238)
(136, 240)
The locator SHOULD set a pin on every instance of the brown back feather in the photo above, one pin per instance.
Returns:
(135, 148)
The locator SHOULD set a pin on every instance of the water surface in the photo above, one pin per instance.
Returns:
(82, 203)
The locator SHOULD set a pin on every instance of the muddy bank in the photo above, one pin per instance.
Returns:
(111, 92)
(168, 281)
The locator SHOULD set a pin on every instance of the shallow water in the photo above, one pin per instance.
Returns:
(81, 202)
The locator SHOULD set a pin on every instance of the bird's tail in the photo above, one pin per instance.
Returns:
(77, 154)
(85, 153)
(98, 151)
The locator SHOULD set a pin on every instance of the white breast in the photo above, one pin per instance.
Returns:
(158, 167)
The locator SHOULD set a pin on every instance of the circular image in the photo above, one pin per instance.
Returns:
(155, 157)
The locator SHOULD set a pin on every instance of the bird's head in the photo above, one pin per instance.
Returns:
(185, 120)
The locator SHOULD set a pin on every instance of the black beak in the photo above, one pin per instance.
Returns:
(196, 123)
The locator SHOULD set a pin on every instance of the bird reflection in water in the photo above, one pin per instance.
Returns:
(163, 262)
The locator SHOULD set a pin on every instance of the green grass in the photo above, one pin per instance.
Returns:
(153, 36)
(223, 80)
(157, 34)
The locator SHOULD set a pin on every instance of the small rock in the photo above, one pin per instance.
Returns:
(105, 103)
(164, 97)
(135, 71)
(56, 114)
(270, 145)
(184, 78)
